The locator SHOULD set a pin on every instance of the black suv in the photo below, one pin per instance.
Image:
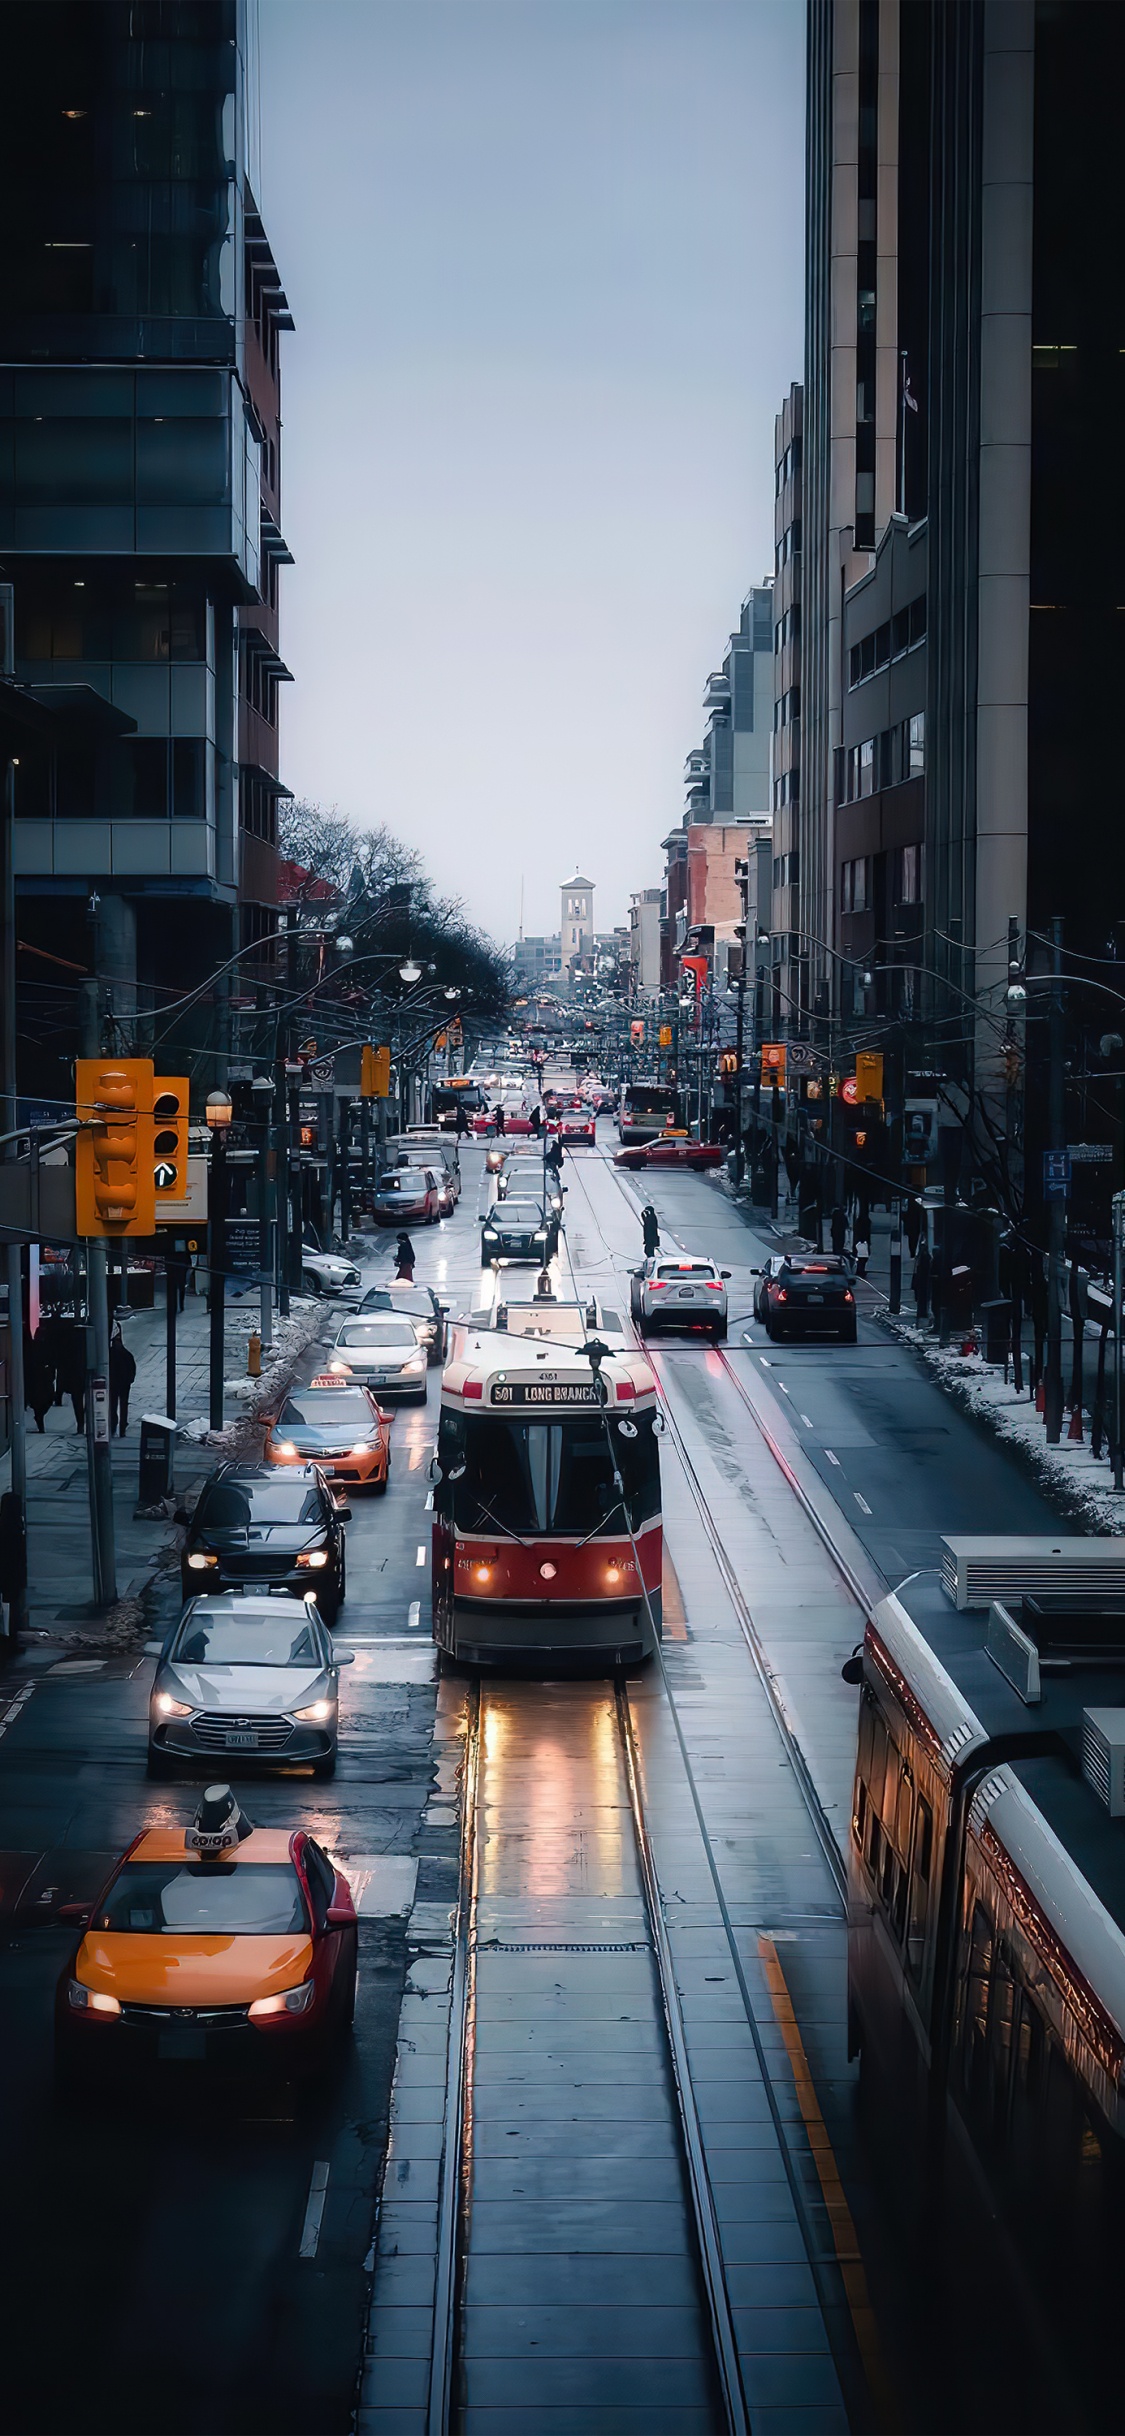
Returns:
(255, 1526)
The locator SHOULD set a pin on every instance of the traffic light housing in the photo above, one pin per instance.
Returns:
(169, 1137)
(114, 1183)
(375, 1073)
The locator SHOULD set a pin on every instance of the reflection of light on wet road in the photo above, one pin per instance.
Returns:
(555, 1806)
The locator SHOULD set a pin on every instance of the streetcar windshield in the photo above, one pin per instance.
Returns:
(649, 1099)
(529, 1477)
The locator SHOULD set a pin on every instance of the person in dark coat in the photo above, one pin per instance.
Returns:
(122, 1372)
(498, 1125)
(839, 1226)
(404, 1260)
(650, 1225)
(38, 1375)
(555, 1156)
(71, 1372)
(537, 1120)
(920, 1281)
(461, 1125)
(912, 1223)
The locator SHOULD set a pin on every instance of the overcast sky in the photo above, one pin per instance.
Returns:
(545, 260)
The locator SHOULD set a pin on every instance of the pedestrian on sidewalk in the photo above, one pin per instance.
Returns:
(650, 1227)
(498, 1125)
(861, 1246)
(176, 1267)
(792, 1159)
(912, 1223)
(71, 1372)
(39, 1375)
(404, 1260)
(122, 1372)
(920, 1280)
(839, 1225)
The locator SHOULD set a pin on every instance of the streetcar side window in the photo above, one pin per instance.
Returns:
(921, 1868)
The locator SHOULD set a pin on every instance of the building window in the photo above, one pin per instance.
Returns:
(910, 876)
(917, 745)
(855, 885)
(149, 758)
(188, 777)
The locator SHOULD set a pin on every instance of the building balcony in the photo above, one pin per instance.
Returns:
(716, 692)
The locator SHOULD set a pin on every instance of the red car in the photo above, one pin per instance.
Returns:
(665, 1153)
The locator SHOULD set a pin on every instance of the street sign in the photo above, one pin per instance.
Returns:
(802, 1058)
(1056, 1175)
(243, 1241)
(306, 1048)
(849, 1091)
(665, 1035)
(321, 1071)
(1090, 1154)
(773, 1061)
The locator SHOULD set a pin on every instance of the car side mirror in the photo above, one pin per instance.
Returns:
(78, 1912)
(151, 1649)
(344, 1512)
(724, 1272)
(343, 1657)
(340, 1915)
(852, 1668)
(181, 1515)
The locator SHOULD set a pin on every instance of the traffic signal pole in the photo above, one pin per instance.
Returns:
(98, 1460)
(1056, 1127)
(13, 1256)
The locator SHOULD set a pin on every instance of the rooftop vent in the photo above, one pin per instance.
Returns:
(1103, 1757)
(976, 1571)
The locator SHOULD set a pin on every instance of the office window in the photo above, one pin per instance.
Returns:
(910, 876)
(149, 760)
(867, 767)
(188, 777)
(855, 885)
(917, 733)
(74, 784)
(917, 616)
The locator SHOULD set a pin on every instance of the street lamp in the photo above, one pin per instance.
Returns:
(218, 1113)
(410, 971)
(263, 1091)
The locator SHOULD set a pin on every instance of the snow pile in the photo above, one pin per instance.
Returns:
(291, 1336)
(1068, 1471)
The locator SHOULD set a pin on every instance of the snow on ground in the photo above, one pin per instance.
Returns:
(1069, 1470)
(291, 1336)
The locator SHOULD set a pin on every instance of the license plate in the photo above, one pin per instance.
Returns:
(816, 1298)
(182, 2046)
(241, 1742)
(686, 1293)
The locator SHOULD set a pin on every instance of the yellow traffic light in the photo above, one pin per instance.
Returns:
(169, 1136)
(114, 1184)
(869, 1074)
(374, 1073)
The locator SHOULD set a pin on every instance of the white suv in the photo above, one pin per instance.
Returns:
(680, 1292)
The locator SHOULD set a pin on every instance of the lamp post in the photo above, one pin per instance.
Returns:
(218, 1114)
(262, 1088)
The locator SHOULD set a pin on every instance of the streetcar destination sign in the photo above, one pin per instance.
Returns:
(545, 1391)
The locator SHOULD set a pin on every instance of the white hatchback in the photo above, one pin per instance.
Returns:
(685, 1292)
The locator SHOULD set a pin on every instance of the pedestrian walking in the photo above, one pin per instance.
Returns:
(650, 1227)
(555, 1157)
(861, 1247)
(71, 1372)
(461, 1126)
(498, 1125)
(404, 1260)
(537, 1120)
(792, 1159)
(122, 1372)
(912, 1223)
(839, 1225)
(38, 1376)
(920, 1280)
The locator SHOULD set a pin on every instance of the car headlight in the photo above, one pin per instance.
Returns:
(197, 1560)
(169, 1707)
(292, 2000)
(317, 1713)
(285, 1447)
(540, 1234)
(314, 1556)
(89, 2000)
(414, 1365)
(365, 1446)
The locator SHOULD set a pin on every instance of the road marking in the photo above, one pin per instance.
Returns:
(806, 1420)
(414, 1614)
(318, 2193)
(783, 1387)
(765, 1362)
(420, 1559)
(832, 1458)
(430, 1502)
(861, 1502)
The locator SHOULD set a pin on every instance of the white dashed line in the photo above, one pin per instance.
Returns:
(861, 1502)
(420, 1559)
(832, 1458)
(430, 1502)
(806, 1420)
(414, 1615)
(318, 2193)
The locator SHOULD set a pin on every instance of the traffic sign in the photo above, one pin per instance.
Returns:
(1056, 1175)
(1090, 1154)
(321, 1071)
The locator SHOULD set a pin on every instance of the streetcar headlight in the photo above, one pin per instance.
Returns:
(547, 1572)
(613, 1573)
(484, 1573)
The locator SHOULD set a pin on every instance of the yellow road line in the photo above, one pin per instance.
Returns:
(849, 2259)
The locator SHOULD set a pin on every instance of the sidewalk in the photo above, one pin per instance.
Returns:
(60, 1564)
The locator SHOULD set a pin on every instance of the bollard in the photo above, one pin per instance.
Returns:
(254, 1356)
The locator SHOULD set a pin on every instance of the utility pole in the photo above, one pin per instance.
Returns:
(1118, 1264)
(98, 1460)
(218, 1118)
(1056, 1132)
(13, 1256)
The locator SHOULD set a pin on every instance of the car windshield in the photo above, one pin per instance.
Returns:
(247, 1640)
(532, 1476)
(327, 1408)
(415, 1300)
(236, 1505)
(204, 1899)
(521, 1213)
(389, 1331)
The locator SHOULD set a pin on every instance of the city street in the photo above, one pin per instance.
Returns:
(212, 2262)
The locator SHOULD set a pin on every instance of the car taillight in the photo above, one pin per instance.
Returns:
(626, 1392)
(782, 1296)
(848, 1295)
(657, 1285)
(714, 1285)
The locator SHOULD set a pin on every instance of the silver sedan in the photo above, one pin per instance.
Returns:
(383, 1351)
(252, 1678)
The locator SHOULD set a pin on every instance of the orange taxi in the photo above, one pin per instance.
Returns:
(243, 1960)
(337, 1425)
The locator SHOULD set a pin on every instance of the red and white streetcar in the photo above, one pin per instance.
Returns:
(547, 1539)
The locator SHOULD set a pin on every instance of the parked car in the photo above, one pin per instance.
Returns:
(421, 1305)
(328, 1273)
(670, 1150)
(807, 1296)
(256, 1675)
(384, 1351)
(683, 1292)
(519, 1230)
(408, 1196)
(254, 1525)
(336, 1424)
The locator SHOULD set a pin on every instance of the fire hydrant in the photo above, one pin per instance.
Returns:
(254, 1356)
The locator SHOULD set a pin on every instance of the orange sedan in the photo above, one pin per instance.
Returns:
(337, 1425)
(243, 1961)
